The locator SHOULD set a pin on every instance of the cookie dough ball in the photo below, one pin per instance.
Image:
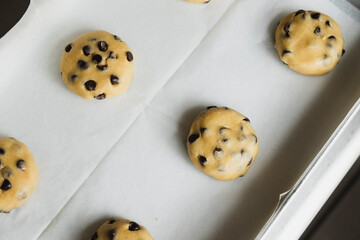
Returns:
(198, 1)
(97, 65)
(309, 42)
(222, 143)
(18, 174)
(121, 229)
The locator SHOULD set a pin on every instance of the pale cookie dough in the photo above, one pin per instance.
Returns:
(121, 229)
(222, 143)
(309, 42)
(97, 65)
(198, 1)
(18, 174)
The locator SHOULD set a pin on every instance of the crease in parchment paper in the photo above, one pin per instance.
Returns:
(146, 105)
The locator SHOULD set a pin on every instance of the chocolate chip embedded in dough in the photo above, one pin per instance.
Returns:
(103, 46)
(117, 38)
(68, 48)
(111, 221)
(343, 52)
(216, 150)
(111, 234)
(193, 138)
(315, 16)
(6, 172)
(246, 120)
(299, 12)
(328, 23)
(96, 59)
(72, 78)
(202, 130)
(224, 140)
(114, 80)
(285, 52)
(133, 226)
(129, 56)
(202, 160)
(333, 38)
(82, 64)
(209, 107)
(250, 162)
(287, 27)
(86, 50)
(112, 55)
(2, 151)
(101, 67)
(100, 96)
(6, 185)
(317, 31)
(90, 85)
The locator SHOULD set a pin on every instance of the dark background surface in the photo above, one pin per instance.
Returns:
(340, 216)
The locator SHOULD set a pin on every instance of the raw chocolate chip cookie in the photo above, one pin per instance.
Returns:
(198, 1)
(222, 144)
(18, 174)
(119, 229)
(309, 42)
(97, 65)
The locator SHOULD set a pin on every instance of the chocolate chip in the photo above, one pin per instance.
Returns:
(202, 160)
(82, 64)
(111, 234)
(90, 85)
(325, 56)
(222, 129)
(111, 221)
(129, 56)
(117, 38)
(68, 48)
(317, 31)
(193, 138)
(6, 172)
(72, 78)
(287, 27)
(114, 80)
(202, 130)
(207, 2)
(2, 151)
(299, 12)
(285, 52)
(287, 35)
(343, 52)
(20, 164)
(250, 161)
(211, 107)
(328, 23)
(101, 67)
(246, 120)
(96, 59)
(6, 185)
(225, 140)
(242, 151)
(95, 236)
(256, 140)
(112, 55)
(103, 46)
(100, 97)
(226, 108)
(332, 38)
(133, 226)
(86, 50)
(315, 16)
(61, 73)
(217, 150)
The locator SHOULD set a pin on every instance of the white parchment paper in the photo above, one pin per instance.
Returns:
(126, 156)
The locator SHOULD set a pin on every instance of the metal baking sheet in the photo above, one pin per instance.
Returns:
(126, 156)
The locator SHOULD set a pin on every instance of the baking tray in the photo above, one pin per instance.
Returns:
(126, 156)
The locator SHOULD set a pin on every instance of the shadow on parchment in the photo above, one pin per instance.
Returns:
(298, 150)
